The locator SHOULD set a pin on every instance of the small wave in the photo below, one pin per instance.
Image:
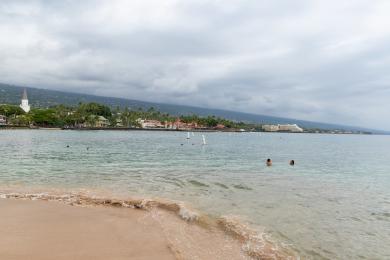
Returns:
(242, 187)
(198, 183)
(386, 214)
(253, 243)
(355, 219)
(221, 185)
(78, 199)
(383, 216)
(173, 182)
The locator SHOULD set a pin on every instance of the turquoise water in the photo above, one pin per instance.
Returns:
(333, 204)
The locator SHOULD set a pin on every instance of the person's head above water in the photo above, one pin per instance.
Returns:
(292, 162)
(269, 162)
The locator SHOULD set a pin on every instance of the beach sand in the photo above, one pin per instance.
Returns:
(49, 230)
(48, 226)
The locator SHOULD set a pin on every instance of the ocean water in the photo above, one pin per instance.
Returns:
(333, 204)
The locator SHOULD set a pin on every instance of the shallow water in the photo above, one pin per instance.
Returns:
(333, 204)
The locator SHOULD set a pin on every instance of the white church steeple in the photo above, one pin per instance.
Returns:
(24, 104)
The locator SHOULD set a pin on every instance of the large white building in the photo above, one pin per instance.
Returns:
(283, 128)
(290, 128)
(270, 128)
(24, 103)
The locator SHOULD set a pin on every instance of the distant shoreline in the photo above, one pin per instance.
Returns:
(117, 129)
(147, 129)
(167, 130)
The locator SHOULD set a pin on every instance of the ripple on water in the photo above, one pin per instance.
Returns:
(172, 181)
(242, 187)
(356, 219)
(198, 183)
(383, 216)
(221, 185)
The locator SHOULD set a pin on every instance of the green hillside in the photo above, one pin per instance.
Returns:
(46, 98)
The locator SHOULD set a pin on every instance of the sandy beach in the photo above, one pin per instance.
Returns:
(49, 230)
(77, 227)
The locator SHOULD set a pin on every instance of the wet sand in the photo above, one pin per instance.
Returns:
(77, 226)
(39, 230)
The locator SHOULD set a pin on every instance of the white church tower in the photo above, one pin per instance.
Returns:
(24, 104)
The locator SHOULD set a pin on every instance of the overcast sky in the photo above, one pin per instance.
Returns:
(324, 61)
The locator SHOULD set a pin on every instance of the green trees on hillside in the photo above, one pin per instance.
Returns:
(46, 118)
(94, 114)
(94, 109)
(212, 121)
(8, 110)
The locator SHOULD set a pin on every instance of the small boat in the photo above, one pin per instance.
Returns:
(204, 140)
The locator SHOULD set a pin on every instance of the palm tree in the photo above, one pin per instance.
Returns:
(91, 120)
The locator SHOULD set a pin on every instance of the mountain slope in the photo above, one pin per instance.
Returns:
(46, 98)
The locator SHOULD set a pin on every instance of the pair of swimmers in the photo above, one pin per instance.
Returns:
(69, 146)
(269, 162)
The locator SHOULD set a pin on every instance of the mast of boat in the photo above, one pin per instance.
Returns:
(204, 140)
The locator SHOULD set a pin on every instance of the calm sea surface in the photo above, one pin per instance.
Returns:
(333, 204)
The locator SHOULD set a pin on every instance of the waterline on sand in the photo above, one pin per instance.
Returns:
(191, 234)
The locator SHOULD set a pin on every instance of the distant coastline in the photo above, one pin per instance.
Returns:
(174, 130)
(44, 98)
(96, 116)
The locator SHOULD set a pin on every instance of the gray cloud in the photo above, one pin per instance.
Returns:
(315, 60)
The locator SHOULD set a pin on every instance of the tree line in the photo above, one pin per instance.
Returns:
(88, 114)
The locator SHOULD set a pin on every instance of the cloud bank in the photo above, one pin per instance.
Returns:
(316, 60)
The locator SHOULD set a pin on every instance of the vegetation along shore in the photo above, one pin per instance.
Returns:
(95, 116)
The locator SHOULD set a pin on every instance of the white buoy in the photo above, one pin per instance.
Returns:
(188, 135)
(204, 140)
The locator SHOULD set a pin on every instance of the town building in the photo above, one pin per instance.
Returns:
(94, 121)
(24, 102)
(150, 123)
(178, 124)
(169, 125)
(3, 120)
(119, 122)
(220, 126)
(102, 122)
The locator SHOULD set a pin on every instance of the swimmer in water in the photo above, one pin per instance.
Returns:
(269, 162)
(292, 162)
